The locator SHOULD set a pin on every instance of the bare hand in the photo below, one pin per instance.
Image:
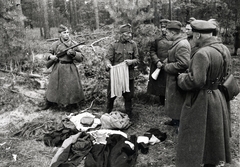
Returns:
(128, 62)
(108, 66)
(159, 64)
(71, 52)
(53, 57)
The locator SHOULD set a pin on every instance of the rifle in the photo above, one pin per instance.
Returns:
(61, 54)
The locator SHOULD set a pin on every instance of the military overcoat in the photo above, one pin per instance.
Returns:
(64, 82)
(158, 52)
(178, 61)
(204, 128)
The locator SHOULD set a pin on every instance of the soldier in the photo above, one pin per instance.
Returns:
(204, 130)
(177, 62)
(236, 35)
(121, 58)
(158, 53)
(64, 82)
(188, 29)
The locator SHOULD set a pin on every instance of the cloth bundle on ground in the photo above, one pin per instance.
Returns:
(152, 136)
(100, 136)
(84, 121)
(154, 132)
(72, 151)
(57, 136)
(116, 153)
(115, 120)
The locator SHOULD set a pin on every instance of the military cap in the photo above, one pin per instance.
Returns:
(164, 22)
(191, 19)
(62, 28)
(214, 22)
(125, 28)
(202, 26)
(174, 24)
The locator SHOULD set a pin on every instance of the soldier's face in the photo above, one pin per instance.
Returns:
(127, 36)
(65, 35)
(196, 38)
(188, 30)
(169, 34)
(164, 30)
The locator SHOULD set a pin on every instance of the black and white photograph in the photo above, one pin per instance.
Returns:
(119, 83)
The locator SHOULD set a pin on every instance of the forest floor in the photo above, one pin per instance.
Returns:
(18, 103)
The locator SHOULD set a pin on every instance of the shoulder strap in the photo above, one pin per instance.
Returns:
(224, 61)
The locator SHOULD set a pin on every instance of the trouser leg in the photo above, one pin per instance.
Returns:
(162, 100)
(110, 101)
(235, 51)
(128, 98)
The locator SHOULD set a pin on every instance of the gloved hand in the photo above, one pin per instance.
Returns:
(159, 64)
(129, 62)
(108, 67)
(71, 52)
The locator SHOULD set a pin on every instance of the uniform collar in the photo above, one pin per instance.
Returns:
(209, 41)
(177, 39)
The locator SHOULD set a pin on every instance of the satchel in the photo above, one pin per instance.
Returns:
(230, 88)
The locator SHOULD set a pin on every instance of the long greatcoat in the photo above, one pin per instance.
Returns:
(204, 129)
(64, 83)
(178, 61)
(158, 52)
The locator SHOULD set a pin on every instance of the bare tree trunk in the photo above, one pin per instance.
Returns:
(40, 17)
(170, 10)
(95, 4)
(75, 12)
(156, 13)
(45, 20)
(51, 2)
(71, 19)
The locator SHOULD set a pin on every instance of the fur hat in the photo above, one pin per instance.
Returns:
(62, 28)
(174, 24)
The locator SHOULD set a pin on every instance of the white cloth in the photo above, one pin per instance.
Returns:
(77, 121)
(101, 135)
(119, 76)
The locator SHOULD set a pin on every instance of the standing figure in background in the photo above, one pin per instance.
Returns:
(204, 132)
(121, 58)
(236, 35)
(64, 86)
(158, 53)
(188, 30)
(177, 62)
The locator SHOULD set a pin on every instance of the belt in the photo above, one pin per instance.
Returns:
(65, 62)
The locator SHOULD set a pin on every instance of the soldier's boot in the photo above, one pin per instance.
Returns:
(110, 104)
(128, 108)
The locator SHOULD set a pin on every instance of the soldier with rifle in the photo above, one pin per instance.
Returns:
(64, 86)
